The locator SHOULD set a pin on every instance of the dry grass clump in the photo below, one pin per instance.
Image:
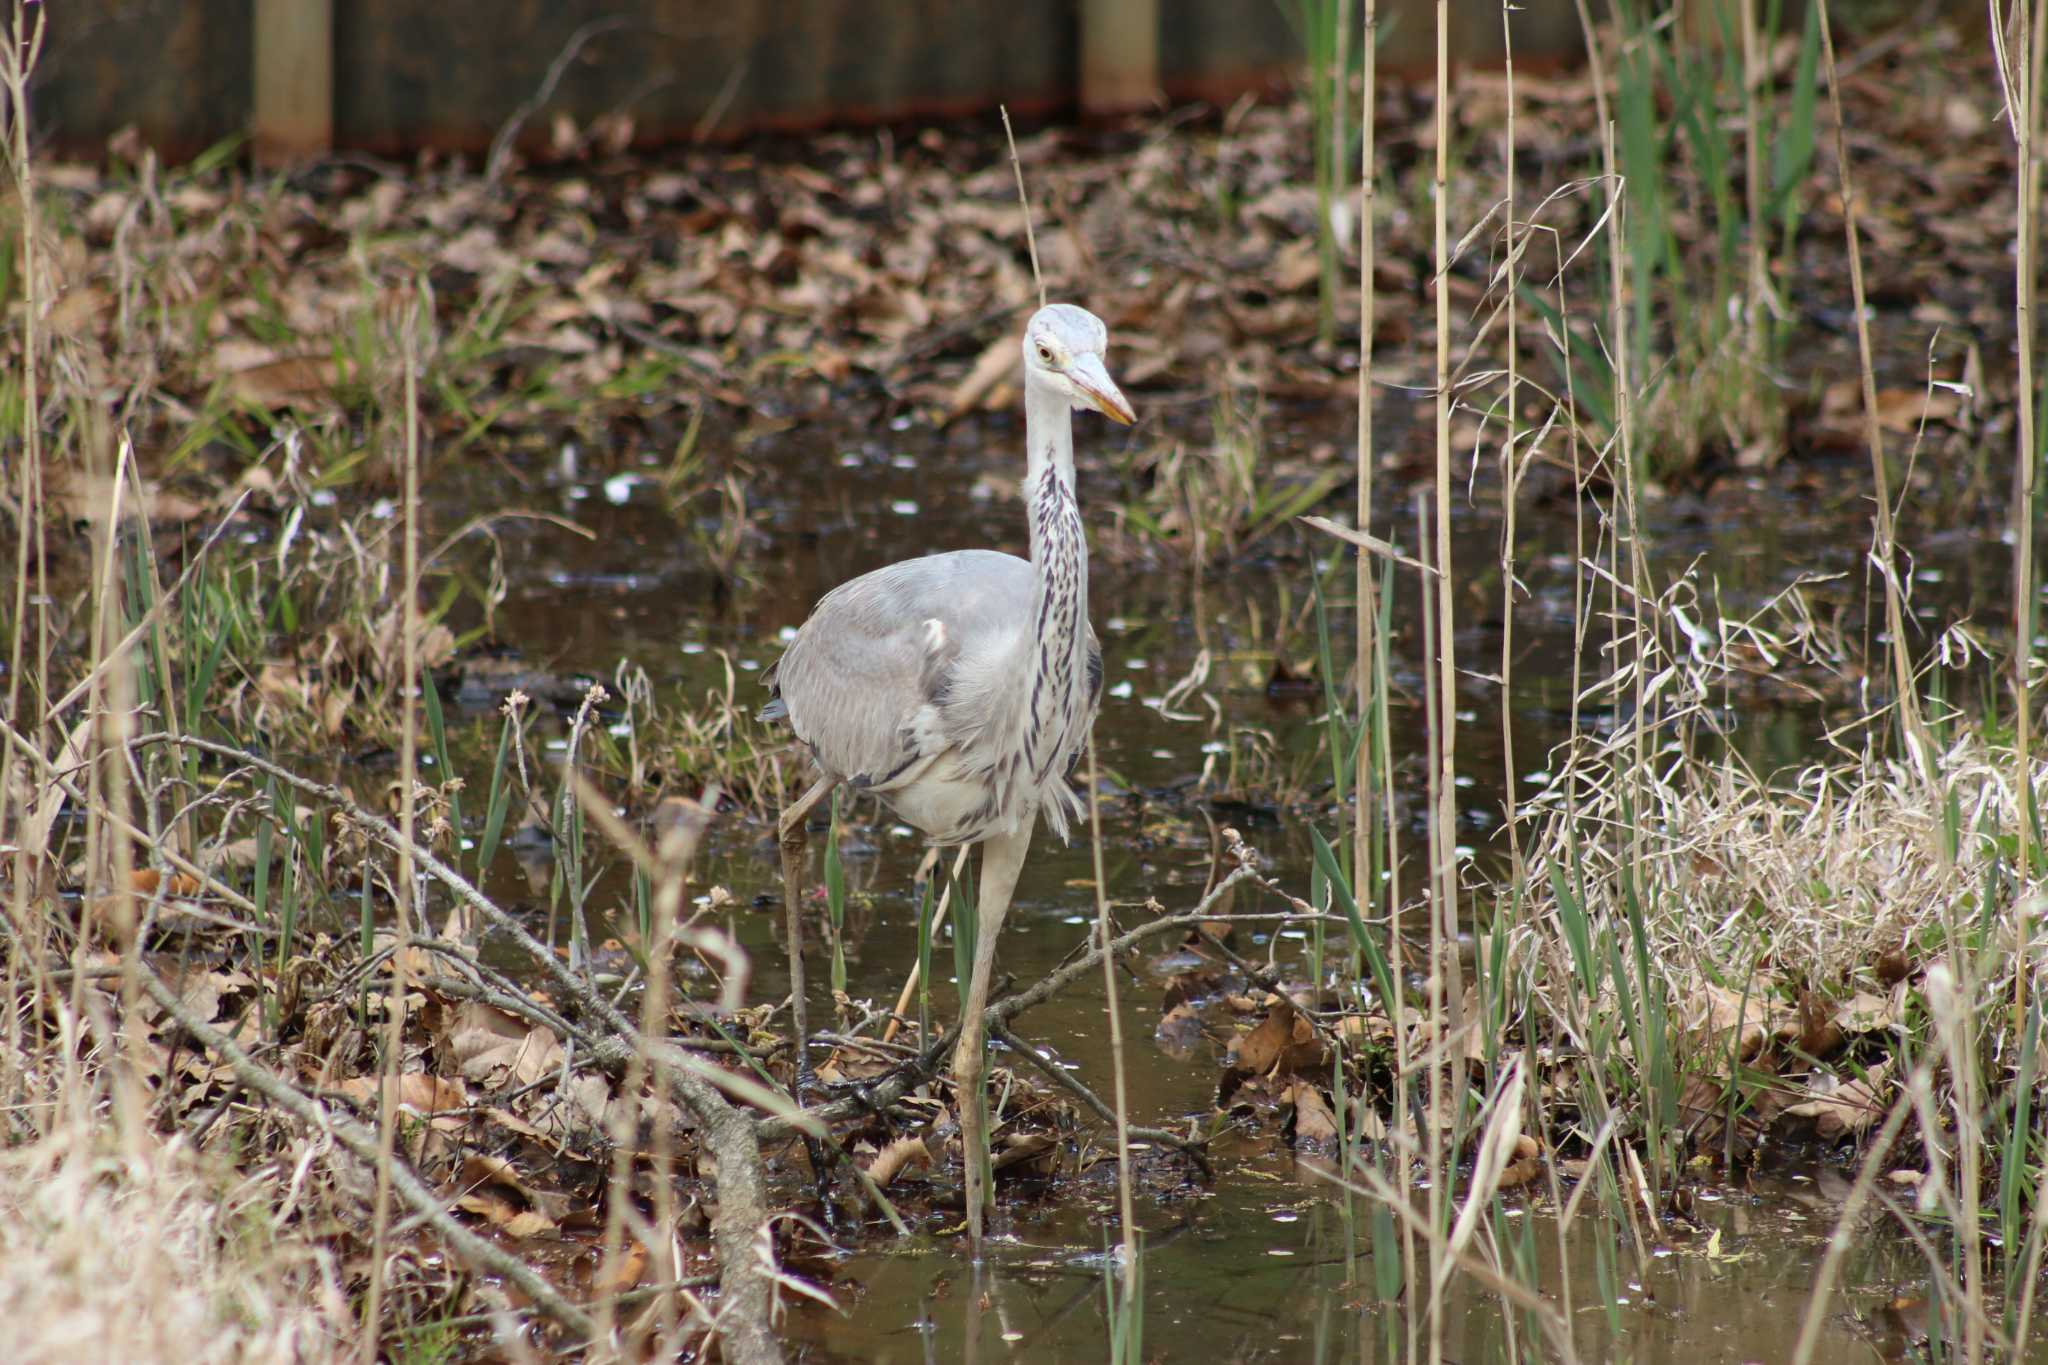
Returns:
(1819, 879)
(140, 1253)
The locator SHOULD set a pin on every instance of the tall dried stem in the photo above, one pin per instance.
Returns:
(1753, 74)
(1912, 729)
(1435, 1164)
(21, 46)
(409, 319)
(2022, 107)
(1116, 1042)
(1510, 477)
(1373, 810)
(1448, 1007)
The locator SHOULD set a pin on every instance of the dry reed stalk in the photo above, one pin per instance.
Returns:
(1437, 1165)
(1116, 1030)
(185, 834)
(1373, 811)
(1753, 74)
(1581, 476)
(1912, 728)
(2022, 107)
(667, 865)
(1024, 203)
(1510, 477)
(113, 722)
(22, 46)
(406, 905)
(2030, 243)
(1950, 1001)
(1447, 1003)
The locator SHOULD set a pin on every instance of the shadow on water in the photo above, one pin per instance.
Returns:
(1262, 1265)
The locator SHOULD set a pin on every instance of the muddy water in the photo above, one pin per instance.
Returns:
(1264, 1264)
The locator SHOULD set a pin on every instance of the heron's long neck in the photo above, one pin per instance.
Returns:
(1056, 533)
(1059, 559)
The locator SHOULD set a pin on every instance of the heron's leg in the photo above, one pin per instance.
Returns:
(1002, 858)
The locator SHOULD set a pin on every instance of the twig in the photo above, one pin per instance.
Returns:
(1073, 1084)
(501, 145)
(886, 1090)
(177, 860)
(1030, 237)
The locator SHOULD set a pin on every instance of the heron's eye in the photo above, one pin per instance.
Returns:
(1045, 353)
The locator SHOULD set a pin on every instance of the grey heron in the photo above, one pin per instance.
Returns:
(959, 688)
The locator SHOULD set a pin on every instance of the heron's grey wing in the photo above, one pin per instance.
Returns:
(1094, 691)
(869, 681)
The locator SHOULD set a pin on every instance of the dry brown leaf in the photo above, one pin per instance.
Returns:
(77, 311)
(1180, 1028)
(1296, 266)
(626, 1273)
(1283, 1041)
(144, 881)
(88, 497)
(1899, 411)
(498, 1051)
(1313, 1120)
(1524, 1166)
(1841, 1109)
(435, 1098)
(897, 1157)
(1867, 1012)
(294, 381)
(1020, 1148)
(235, 853)
(1712, 1015)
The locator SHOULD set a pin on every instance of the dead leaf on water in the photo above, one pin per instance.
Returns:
(1283, 1041)
(1311, 1119)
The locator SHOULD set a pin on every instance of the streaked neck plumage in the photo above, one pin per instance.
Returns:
(1057, 637)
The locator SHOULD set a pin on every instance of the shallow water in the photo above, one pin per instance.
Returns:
(1261, 1265)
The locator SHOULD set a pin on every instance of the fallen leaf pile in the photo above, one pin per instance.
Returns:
(603, 288)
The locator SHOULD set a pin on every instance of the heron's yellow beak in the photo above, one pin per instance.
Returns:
(1089, 376)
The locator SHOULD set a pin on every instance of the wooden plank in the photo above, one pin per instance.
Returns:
(293, 60)
(1119, 55)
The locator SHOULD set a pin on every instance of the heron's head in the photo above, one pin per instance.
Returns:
(1063, 348)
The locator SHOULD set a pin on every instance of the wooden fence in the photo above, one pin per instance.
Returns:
(393, 76)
